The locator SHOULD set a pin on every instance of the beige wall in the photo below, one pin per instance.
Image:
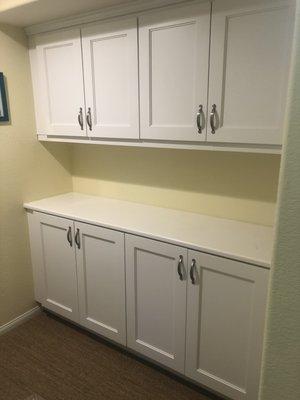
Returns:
(281, 367)
(28, 171)
(231, 185)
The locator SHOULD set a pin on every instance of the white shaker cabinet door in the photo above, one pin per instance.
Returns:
(174, 50)
(60, 84)
(156, 300)
(101, 280)
(226, 304)
(110, 59)
(54, 249)
(249, 66)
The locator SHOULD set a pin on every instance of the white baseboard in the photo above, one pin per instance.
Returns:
(19, 320)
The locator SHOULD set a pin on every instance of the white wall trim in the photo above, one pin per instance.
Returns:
(19, 320)
(134, 7)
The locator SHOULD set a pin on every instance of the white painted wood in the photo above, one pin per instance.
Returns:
(211, 331)
(19, 320)
(249, 65)
(101, 281)
(233, 239)
(134, 7)
(58, 262)
(60, 83)
(36, 249)
(248, 76)
(174, 49)
(225, 324)
(156, 301)
(36, 80)
(232, 147)
(110, 58)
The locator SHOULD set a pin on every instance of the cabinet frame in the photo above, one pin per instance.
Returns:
(174, 358)
(37, 221)
(222, 14)
(126, 29)
(115, 330)
(240, 273)
(197, 18)
(187, 326)
(47, 42)
(212, 143)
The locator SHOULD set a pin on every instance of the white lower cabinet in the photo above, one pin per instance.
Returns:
(80, 273)
(225, 321)
(101, 280)
(198, 314)
(54, 260)
(156, 300)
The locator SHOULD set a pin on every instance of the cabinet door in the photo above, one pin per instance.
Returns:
(111, 79)
(101, 280)
(156, 300)
(250, 51)
(225, 323)
(60, 88)
(55, 246)
(174, 49)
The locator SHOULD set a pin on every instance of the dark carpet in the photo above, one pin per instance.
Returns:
(59, 362)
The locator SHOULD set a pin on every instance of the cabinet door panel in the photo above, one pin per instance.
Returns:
(156, 300)
(111, 78)
(61, 92)
(101, 279)
(174, 48)
(250, 51)
(225, 322)
(57, 256)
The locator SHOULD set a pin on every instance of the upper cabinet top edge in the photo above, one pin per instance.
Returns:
(109, 14)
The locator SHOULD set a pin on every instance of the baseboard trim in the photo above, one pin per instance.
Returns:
(19, 320)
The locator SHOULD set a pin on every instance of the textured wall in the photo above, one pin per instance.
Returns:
(230, 185)
(28, 171)
(281, 368)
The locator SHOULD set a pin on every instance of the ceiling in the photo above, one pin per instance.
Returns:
(29, 12)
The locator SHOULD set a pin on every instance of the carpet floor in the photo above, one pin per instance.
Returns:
(49, 357)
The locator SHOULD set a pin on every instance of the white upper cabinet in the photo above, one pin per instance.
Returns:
(60, 94)
(174, 50)
(156, 300)
(225, 323)
(110, 60)
(101, 280)
(249, 65)
(196, 74)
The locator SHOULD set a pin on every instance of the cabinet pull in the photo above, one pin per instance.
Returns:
(179, 268)
(200, 119)
(77, 238)
(192, 271)
(212, 118)
(69, 236)
(80, 118)
(89, 118)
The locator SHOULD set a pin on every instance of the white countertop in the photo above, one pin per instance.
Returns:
(232, 239)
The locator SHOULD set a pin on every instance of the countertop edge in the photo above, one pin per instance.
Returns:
(178, 242)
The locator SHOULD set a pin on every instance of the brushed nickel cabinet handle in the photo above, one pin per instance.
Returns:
(200, 119)
(69, 236)
(77, 238)
(89, 118)
(192, 271)
(212, 118)
(80, 118)
(179, 268)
